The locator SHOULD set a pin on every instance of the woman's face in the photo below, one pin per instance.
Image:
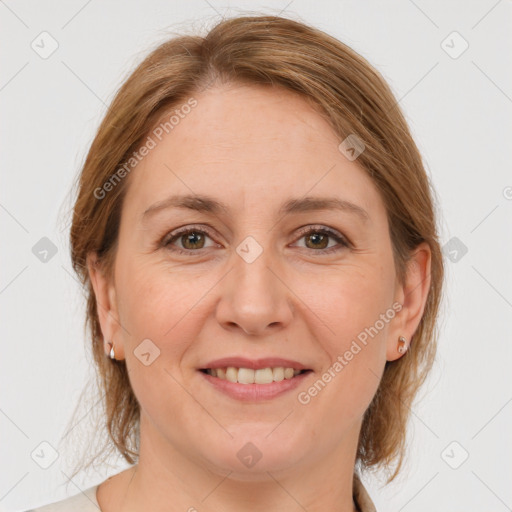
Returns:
(249, 281)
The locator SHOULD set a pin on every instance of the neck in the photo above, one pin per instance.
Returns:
(167, 479)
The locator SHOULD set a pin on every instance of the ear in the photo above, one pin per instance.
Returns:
(412, 294)
(106, 306)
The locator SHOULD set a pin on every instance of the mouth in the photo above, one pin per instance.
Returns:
(254, 380)
(251, 376)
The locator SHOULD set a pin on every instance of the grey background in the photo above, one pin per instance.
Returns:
(459, 110)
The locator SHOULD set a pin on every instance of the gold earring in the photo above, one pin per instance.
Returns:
(403, 347)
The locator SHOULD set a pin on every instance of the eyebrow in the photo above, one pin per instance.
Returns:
(205, 204)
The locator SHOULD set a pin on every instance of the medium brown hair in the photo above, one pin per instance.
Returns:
(351, 94)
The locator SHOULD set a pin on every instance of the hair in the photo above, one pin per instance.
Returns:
(268, 51)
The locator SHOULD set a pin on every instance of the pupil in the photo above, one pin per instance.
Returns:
(189, 239)
(316, 237)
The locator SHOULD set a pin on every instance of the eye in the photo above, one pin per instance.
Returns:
(317, 238)
(190, 238)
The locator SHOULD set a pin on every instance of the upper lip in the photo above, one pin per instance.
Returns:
(254, 364)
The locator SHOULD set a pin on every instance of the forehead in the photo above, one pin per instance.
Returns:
(250, 146)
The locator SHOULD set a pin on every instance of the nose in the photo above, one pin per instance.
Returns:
(254, 296)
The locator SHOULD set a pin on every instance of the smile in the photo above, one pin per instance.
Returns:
(248, 385)
(250, 376)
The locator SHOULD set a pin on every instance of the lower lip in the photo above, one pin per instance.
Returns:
(255, 392)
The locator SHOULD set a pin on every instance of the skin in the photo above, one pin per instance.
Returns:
(252, 148)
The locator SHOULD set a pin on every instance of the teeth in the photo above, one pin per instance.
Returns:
(245, 375)
(263, 376)
(232, 374)
(278, 374)
(249, 376)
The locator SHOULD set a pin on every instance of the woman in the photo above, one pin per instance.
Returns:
(256, 234)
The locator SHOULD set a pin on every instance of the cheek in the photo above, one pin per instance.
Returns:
(158, 304)
(355, 310)
(349, 301)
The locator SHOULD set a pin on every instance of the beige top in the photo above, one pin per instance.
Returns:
(83, 502)
(87, 502)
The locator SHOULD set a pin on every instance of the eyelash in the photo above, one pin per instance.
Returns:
(171, 237)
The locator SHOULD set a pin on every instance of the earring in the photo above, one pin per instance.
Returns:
(112, 353)
(402, 348)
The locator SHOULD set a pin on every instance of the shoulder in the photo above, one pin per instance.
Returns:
(84, 501)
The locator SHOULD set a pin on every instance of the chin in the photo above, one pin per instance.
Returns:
(250, 457)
